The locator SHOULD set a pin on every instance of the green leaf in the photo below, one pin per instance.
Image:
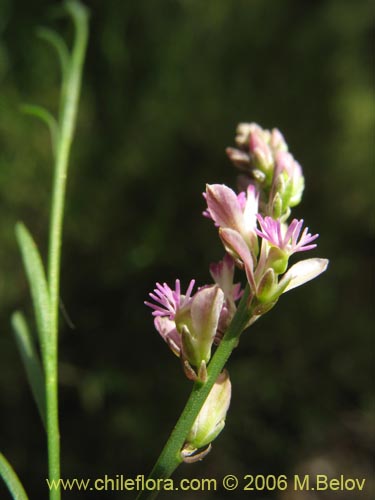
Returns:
(47, 118)
(58, 43)
(38, 284)
(11, 479)
(31, 362)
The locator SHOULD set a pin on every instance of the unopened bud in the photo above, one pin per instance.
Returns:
(259, 175)
(278, 260)
(211, 418)
(243, 132)
(289, 172)
(280, 183)
(277, 141)
(260, 151)
(277, 206)
(239, 158)
(266, 285)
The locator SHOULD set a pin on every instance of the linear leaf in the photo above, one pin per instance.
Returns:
(37, 282)
(47, 118)
(31, 362)
(11, 479)
(59, 45)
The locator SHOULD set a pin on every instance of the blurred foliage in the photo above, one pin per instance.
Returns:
(165, 85)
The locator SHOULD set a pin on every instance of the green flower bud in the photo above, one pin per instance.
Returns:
(211, 418)
(277, 206)
(266, 285)
(277, 260)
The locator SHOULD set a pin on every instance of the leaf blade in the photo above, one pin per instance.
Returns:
(38, 284)
(31, 362)
(46, 117)
(11, 479)
(58, 43)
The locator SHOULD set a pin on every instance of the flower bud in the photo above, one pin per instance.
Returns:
(266, 285)
(239, 158)
(259, 176)
(211, 418)
(261, 152)
(199, 324)
(278, 260)
(288, 179)
(243, 132)
(277, 206)
(277, 141)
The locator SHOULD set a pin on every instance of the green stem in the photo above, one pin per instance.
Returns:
(67, 125)
(170, 457)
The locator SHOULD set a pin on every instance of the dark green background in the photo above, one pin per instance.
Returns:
(165, 84)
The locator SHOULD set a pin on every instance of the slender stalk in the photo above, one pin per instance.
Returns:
(67, 124)
(170, 457)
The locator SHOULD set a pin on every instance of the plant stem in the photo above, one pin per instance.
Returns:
(67, 124)
(170, 457)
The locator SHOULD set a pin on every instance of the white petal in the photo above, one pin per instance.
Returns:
(304, 271)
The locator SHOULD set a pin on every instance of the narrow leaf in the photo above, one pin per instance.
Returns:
(11, 479)
(31, 361)
(47, 118)
(37, 282)
(58, 43)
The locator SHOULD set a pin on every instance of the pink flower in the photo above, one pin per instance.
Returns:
(236, 246)
(187, 323)
(289, 239)
(232, 211)
(169, 301)
(222, 273)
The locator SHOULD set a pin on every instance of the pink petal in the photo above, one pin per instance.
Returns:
(169, 333)
(235, 242)
(223, 205)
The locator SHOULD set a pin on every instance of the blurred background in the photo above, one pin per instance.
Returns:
(165, 85)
